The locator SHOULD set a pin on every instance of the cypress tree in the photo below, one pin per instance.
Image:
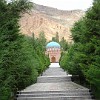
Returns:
(14, 74)
(84, 55)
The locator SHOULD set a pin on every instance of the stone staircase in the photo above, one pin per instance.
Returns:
(54, 84)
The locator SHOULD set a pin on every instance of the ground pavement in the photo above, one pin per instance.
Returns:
(54, 84)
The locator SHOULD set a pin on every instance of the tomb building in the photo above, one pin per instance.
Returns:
(53, 51)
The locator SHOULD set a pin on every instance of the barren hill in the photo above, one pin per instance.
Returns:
(50, 21)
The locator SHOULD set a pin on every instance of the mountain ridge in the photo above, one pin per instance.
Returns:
(39, 7)
(50, 21)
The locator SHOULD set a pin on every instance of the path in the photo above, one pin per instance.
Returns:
(55, 84)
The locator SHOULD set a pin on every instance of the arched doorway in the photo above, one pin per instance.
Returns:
(53, 59)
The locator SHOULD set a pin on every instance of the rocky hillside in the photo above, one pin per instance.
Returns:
(50, 21)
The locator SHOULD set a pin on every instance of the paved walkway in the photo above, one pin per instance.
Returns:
(55, 84)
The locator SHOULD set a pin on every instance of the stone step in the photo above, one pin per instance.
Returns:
(81, 91)
(50, 94)
(56, 98)
(53, 94)
(53, 79)
(54, 71)
(60, 86)
(54, 84)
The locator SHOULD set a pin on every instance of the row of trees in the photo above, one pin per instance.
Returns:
(83, 58)
(22, 58)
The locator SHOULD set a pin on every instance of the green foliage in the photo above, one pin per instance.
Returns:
(69, 61)
(38, 51)
(78, 31)
(63, 43)
(56, 38)
(83, 58)
(19, 55)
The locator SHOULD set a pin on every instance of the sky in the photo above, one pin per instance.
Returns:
(66, 4)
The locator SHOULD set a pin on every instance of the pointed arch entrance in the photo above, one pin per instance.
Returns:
(53, 59)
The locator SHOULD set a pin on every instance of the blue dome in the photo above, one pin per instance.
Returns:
(52, 44)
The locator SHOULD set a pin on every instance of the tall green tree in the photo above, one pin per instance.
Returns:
(39, 49)
(12, 64)
(17, 54)
(85, 56)
(42, 40)
(56, 38)
(64, 44)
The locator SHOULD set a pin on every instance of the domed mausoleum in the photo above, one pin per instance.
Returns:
(53, 50)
